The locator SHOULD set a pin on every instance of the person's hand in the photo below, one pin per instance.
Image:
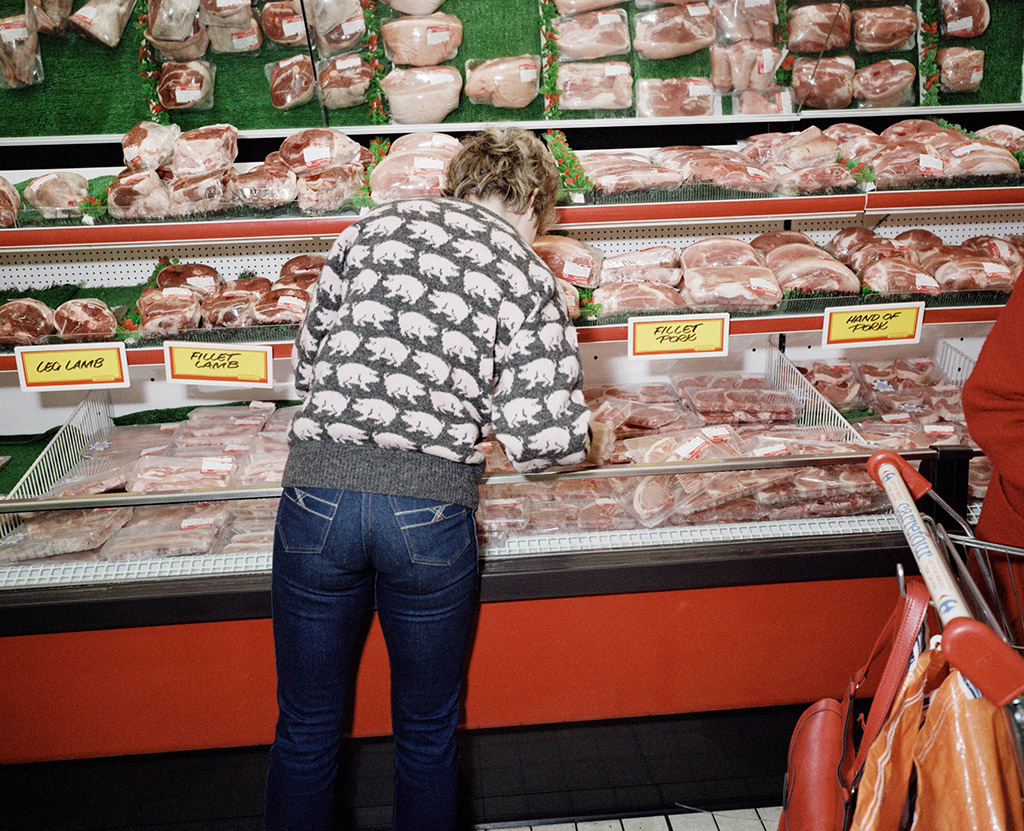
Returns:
(602, 439)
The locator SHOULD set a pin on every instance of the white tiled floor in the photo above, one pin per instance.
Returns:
(749, 819)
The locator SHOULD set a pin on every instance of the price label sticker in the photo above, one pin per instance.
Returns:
(684, 336)
(438, 34)
(607, 18)
(851, 326)
(72, 366)
(13, 29)
(354, 24)
(960, 24)
(219, 364)
(347, 62)
(293, 25)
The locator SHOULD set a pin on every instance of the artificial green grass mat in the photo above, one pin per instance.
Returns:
(23, 450)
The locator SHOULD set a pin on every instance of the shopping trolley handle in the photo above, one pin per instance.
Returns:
(915, 482)
(988, 662)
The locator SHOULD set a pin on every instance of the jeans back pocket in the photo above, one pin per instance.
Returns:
(304, 518)
(435, 533)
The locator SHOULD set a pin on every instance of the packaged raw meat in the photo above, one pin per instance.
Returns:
(572, 260)
(740, 288)
(109, 473)
(57, 195)
(976, 274)
(715, 168)
(204, 150)
(250, 540)
(149, 145)
(137, 440)
(343, 81)
(84, 319)
(138, 194)
(283, 23)
(898, 277)
(172, 19)
(229, 309)
(919, 240)
(933, 258)
(422, 40)
(738, 20)
(207, 193)
(595, 86)
(314, 150)
(24, 321)
(978, 158)
(617, 172)
(405, 175)
(844, 131)
(633, 297)
(642, 274)
(103, 20)
(292, 82)
(190, 49)
(21, 65)
(783, 255)
(415, 6)
(253, 510)
(996, 248)
(773, 239)
(763, 148)
(655, 256)
(964, 18)
(497, 518)
(884, 29)
(422, 95)
(823, 85)
(268, 185)
(259, 469)
(826, 178)
(244, 37)
(165, 473)
(186, 86)
(744, 65)
(863, 148)
(808, 149)
(10, 203)
(904, 165)
(575, 6)
(160, 541)
(761, 404)
(674, 97)
(961, 69)
(224, 14)
(719, 251)
(282, 306)
(250, 285)
(62, 532)
(880, 249)
(599, 34)
(184, 516)
(845, 242)
(979, 477)
(203, 279)
(508, 83)
(673, 31)
(166, 312)
(338, 25)
(773, 101)
(330, 189)
(819, 27)
(813, 274)
(884, 84)
(1004, 134)
(51, 15)
(649, 392)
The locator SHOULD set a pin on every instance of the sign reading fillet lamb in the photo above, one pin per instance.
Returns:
(680, 336)
(874, 325)
(219, 364)
(81, 366)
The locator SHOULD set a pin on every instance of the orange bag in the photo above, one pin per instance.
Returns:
(963, 754)
(966, 764)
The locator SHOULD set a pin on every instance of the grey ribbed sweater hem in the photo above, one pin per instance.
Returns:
(359, 467)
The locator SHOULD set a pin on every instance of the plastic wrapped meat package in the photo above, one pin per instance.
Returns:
(141, 542)
(674, 97)
(886, 83)
(10, 203)
(57, 195)
(101, 475)
(281, 419)
(837, 382)
(253, 510)
(257, 412)
(673, 31)
(656, 264)
(204, 150)
(137, 440)
(964, 18)
(168, 311)
(720, 401)
(960, 69)
(595, 86)
(256, 539)
(237, 433)
(184, 516)
(422, 95)
(422, 40)
(292, 81)
(738, 20)
(103, 21)
(731, 289)
(824, 85)
(62, 532)
(589, 35)
(343, 81)
(282, 22)
(187, 85)
(884, 29)
(259, 469)
(625, 172)
(338, 26)
(507, 83)
(24, 320)
(241, 38)
(51, 15)
(774, 101)
(744, 65)
(819, 27)
(569, 259)
(498, 518)
(636, 297)
(979, 477)
(190, 49)
(21, 64)
(138, 194)
(152, 474)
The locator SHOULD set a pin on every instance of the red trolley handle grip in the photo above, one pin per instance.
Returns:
(915, 482)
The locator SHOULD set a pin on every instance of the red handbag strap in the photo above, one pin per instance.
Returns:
(901, 630)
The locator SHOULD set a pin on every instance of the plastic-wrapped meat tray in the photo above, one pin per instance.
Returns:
(140, 542)
(62, 532)
(164, 473)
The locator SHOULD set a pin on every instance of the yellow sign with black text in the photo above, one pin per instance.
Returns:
(874, 325)
(72, 366)
(219, 364)
(682, 336)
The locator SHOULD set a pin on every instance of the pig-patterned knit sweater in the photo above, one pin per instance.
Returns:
(432, 322)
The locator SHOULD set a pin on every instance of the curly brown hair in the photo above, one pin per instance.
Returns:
(510, 163)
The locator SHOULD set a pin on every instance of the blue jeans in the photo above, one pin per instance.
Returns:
(335, 552)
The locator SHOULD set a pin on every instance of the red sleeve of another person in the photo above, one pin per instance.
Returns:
(993, 401)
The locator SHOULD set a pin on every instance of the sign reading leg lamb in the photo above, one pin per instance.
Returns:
(72, 366)
(680, 336)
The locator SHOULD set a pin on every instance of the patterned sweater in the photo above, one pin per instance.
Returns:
(431, 323)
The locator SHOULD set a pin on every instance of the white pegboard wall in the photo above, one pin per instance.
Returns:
(622, 240)
(952, 228)
(22, 269)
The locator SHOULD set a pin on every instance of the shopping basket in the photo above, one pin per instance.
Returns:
(975, 639)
